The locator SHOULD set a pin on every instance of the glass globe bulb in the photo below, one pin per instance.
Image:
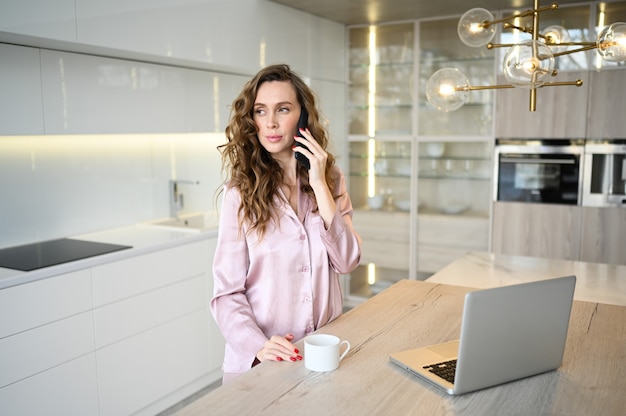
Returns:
(528, 64)
(472, 29)
(554, 36)
(445, 89)
(612, 42)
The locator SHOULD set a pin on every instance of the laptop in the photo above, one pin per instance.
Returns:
(507, 333)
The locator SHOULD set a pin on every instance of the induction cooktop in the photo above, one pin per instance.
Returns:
(35, 256)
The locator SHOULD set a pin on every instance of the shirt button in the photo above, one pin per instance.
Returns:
(302, 237)
(309, 329)
(307, 299)
(305, 268)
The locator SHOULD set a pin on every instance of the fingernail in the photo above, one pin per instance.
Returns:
(299, 357)
(296, 351)
(279, 358)
(292, 359)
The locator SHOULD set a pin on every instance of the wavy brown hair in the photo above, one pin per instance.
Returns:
(250, 167)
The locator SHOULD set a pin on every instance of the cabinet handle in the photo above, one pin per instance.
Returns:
(537, 161)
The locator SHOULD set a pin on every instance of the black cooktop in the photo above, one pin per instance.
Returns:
(49, 253)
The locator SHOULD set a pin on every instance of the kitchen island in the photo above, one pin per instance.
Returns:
(411, 314)
(596, 282)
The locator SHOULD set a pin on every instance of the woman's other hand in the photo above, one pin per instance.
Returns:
(279, 348)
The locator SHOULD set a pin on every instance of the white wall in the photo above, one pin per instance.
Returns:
(96, 166)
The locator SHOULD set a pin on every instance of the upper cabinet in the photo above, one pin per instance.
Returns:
(440, 47)
(607, 103)
(20, 82)
(85, 94)
(188, 31)
(381, 71)
(50, 19)
(561, 111)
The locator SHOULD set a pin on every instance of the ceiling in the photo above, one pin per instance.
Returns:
(357, 12)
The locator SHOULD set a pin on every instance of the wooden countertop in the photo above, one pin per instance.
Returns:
(411, 314)
(595, 282)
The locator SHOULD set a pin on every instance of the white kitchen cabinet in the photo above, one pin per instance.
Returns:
(202, 31)
(603, 238)
(131, 336)
(226, 87)
(92, 95)
(152, 329)
(69, 389)
(147, 368)
(607, 102)
(539, 230)
(21, 110)
(30, 352)
(46, 347)
(114, 282)
(45, 301)
(51, 19)
(97, 95)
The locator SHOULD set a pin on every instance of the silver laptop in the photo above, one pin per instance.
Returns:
(507, 333)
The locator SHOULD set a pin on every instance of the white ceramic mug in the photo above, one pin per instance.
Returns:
(321, 352)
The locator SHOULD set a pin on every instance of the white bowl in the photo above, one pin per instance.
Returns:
(376, 201)
(435, 149)
(403, 204)
(453, 209)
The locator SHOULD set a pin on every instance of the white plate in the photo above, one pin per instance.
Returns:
(453, 209)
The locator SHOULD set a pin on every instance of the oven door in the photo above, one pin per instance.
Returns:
(538, 174)
(604, 183)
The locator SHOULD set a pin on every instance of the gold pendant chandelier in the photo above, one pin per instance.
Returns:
(529, 64)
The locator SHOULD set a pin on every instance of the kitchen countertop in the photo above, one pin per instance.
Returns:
(144, 238)
(595, 282)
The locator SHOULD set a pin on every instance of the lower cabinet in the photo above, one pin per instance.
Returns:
(603, 238)
(539, 230)
(386, 249)
(129, 337)
(444, 238)
(590, 234)
(69, 389)
(138, 374)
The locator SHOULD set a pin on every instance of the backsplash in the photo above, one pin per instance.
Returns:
(58, 186)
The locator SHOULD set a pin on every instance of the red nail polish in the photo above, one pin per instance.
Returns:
(299, 357)
(296, 351)
(279, 358)
(292, 359)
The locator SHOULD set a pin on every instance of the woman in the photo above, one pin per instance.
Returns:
(285, 232)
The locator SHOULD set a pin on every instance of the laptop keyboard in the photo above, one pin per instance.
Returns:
(445, 370)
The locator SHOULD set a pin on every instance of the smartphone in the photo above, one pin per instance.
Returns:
(302, 124)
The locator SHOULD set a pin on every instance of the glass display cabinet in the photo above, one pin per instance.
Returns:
(440, 47)
(418, 179)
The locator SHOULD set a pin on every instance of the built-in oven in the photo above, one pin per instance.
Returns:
(539, 171)
(604, 179)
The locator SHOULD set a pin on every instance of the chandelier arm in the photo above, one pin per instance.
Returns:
(526, 13)
(483, 87)
(577, 83)
(584, 48)
(527, 29)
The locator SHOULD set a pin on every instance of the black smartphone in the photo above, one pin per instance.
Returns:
(302, 124)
